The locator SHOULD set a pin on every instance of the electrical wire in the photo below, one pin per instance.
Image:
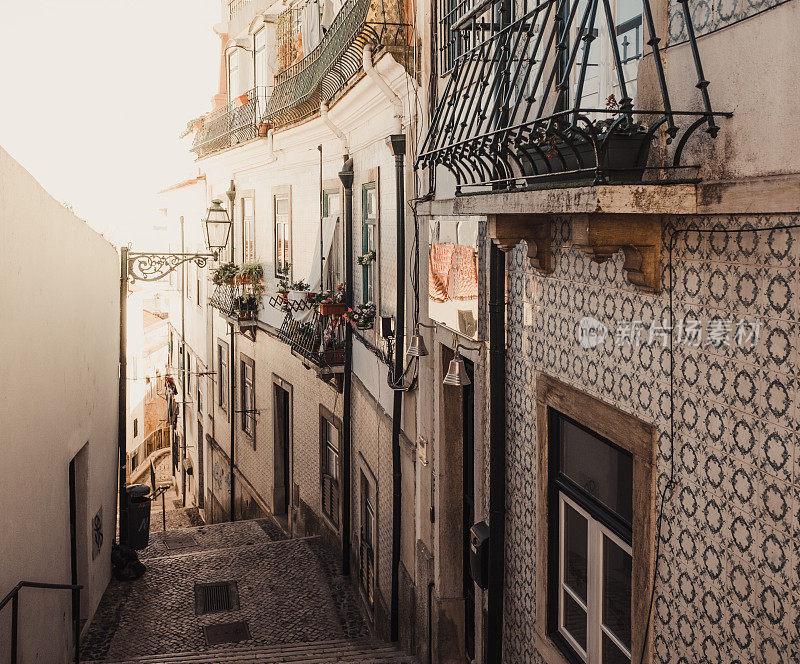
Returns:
(671, 483)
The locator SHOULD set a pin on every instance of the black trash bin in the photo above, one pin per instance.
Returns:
(138, 515)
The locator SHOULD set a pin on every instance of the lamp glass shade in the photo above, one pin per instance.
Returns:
(217, 226)
(457, 373)
(416, 347)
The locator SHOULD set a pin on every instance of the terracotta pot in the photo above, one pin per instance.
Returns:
(332, 308)
(241, 100)
(283, 297)
(263, 129)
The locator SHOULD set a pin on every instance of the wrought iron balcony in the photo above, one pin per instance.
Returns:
(236, 302)
(235, 6)
(234, 123)
(326, 70)
(550, 96)
(320, 340)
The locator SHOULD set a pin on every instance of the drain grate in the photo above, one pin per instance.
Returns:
(226, 633)
(216, 597)
(176, 541)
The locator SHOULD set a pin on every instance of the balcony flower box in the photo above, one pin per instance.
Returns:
(619, 154)
(332, 308)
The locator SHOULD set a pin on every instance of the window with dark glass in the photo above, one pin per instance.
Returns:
(369, 219)
(248, 395)
(222, 374)
(329, 441)
(248, 230)
(367, 538)
(591, 498)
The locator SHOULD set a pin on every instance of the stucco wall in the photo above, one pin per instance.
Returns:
(728, 574)
(58, 368)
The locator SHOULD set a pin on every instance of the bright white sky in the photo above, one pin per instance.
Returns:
(95, 94)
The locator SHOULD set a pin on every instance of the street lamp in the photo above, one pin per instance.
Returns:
(217, 227)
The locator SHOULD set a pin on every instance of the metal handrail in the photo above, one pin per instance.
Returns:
(233, 123)
(13, 597)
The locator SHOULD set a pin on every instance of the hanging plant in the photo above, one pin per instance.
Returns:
(362, 315)
(366, 259)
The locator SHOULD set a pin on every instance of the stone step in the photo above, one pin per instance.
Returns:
(315, 652)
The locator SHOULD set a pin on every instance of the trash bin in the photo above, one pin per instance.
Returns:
(138, 515)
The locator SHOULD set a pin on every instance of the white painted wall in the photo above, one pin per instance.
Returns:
(59, 294)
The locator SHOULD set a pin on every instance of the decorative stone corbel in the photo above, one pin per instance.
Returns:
(637, 235)
(508, 230)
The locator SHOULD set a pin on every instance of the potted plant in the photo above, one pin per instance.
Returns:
(362, 315)
(333, 347)
(332, 303)
(246, 306)
(283, 290)
(250, 273)
(366, 259)
(263, 128)
(224, 274)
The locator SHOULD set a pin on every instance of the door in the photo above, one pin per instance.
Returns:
(282, 451)
(468, 505)
(201, 487)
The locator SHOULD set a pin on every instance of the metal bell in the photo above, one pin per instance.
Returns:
(457, 373)
(416, 347)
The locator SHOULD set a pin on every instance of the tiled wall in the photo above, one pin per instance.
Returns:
(710, 15)
(729, 570)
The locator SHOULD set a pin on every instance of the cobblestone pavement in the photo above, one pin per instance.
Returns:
(175, 514)
(289, 592)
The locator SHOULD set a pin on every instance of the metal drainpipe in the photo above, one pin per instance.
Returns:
(184, 377)
(232, 369)
(497, 453)
(397, 144)
(346, 177)
(122, 402)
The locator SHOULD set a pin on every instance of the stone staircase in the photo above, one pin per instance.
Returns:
(314, 652)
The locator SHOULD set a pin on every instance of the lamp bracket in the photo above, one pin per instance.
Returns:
(154, 266)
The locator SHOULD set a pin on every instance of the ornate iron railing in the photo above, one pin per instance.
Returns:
(515, 111)
(326, 70)
(235, 6)
(234, 123)
(224, 299)
(319, 340)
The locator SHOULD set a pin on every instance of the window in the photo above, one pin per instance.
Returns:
(248, 396)
(233, 74)
(260, 58)
(601, 76)
(135, 427)
(197, 284)
(592, 511)
(248, 230)
(188, 373)
(282, 236)
(367, 538)
(332, 207)
(222, 374)
(329, 444)
(369, 217)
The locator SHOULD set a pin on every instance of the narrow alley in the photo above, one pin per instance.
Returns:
(231, 592)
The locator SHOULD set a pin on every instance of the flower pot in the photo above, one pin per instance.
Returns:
(283, 297)
(619, 156)
(332, 308)
(241, 100)
(263, 129)
(365, 325)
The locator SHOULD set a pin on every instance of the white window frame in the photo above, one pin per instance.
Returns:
(595, 628)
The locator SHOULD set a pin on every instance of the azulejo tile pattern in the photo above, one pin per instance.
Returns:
(728, 576)
(710, 15)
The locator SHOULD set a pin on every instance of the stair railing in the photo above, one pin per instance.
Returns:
(13, 597)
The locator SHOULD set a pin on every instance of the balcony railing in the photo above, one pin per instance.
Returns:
(236, 301)
(325, 71)
(526, 102)
(235, 6)
(234, 123)
(320, 340)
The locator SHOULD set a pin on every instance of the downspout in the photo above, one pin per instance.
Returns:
(394, 100)
(497, 453)
(397, 144)
(323, 113)
(184, 377)
(271, 156)
(346, 177)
